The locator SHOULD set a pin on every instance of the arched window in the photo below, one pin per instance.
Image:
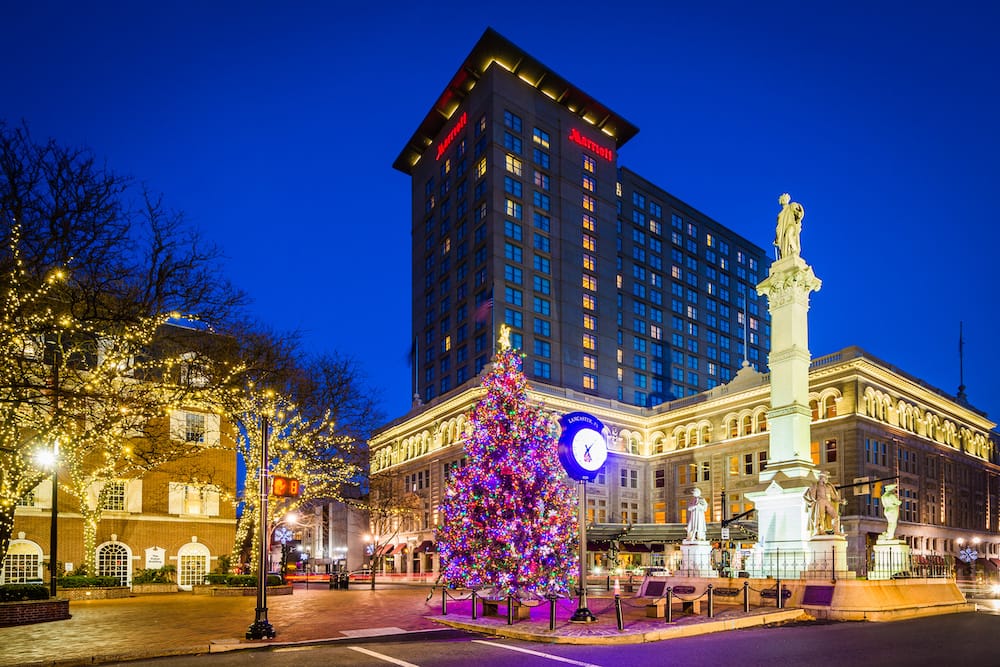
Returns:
(733, 429)
(192, 565)
(747, 425)
(681, 439)
(762, 422)
(22, 563)
(113, 560)
(814, 407)
(830, 407)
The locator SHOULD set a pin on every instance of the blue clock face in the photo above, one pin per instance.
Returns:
(583, 449)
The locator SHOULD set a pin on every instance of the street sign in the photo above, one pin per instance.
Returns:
(725, 533)
(861, 486)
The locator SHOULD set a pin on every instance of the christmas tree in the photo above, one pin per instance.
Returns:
(509, 516)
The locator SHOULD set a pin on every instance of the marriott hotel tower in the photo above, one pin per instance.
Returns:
(521, 213)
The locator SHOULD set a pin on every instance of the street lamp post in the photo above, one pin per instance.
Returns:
(54, 522)
(261, 627)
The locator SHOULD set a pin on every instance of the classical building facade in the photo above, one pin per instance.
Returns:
(871, 422)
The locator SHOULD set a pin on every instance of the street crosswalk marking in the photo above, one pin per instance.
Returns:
(536, 653)
(382, 656)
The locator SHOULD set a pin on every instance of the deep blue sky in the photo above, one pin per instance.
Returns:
(273, 126)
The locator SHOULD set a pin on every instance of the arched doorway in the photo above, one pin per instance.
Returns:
(192, 565)
(114, 559)
(23, 562)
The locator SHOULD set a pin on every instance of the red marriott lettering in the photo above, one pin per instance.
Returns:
(459, 126)
(591, 145)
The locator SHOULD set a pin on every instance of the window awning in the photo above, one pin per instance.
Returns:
(426, 546)
(400, 548)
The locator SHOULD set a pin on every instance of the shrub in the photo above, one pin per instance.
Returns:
(163, 575)
(85, 582)
(21, 592)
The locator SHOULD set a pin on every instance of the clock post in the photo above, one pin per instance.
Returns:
(583, 451)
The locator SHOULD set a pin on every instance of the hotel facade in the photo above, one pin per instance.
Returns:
(631, 305)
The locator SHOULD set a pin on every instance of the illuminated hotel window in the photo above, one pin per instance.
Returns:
(589, 322)
(446, 344)
(618, 280)
(589, 243)
(446, 168)
(589, 381)
(590, 362)
(589, 183)
(589, 222)
(589, 302)
(621, 355)
(481, 168)
(540, 137)
(655, 226)
(512, 208)
(446, 246)
(588, 262)
(512, 164)
(589, 342)
(481, 125)
(589, 164)
(618, 189)
(621, 374)
(541, 180)
(589, 203)
(589, 282)
(655, 332)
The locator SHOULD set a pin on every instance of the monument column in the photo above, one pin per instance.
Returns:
(782, 510)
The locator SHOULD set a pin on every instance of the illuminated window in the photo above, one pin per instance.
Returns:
(621, 374)
(589, 381)
(589, 203)
(589, 164)
(590, 362)
(588, 262)
(589, 342)
(540, 137)
(541, 180)
(512, 164)
(621, 355)
(619, 281)
(445, 246)
(589, 282)
(589, 183)
(481, 168)
(589, 302)
(655, 332)
(113, 496)
(589, 243)
(512, 208)
(589, 222)
(446, 343)
(589, 322)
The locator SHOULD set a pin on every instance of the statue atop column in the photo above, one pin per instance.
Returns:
(786, 237)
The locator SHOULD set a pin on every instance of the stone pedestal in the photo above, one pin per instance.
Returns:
(890, 557)
(782, 529)
(828, 558)
(696, 559)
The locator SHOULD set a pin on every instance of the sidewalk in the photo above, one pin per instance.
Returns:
(103, 631)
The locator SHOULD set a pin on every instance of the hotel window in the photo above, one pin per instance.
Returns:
(589, 243)
(589, 164)
(542, 327)
(543, 349)
(589, 183)
(659, 478)
(589, 203)
(542, 285)
(638, 200)
(589, 322)
(589, 342)
(541, 221)
(513, 274)
(761, 460)
(589, 223)
(590, 381)
(541, 180)
(512, 230)
(589, 282)
(513, 318)
(655, 332)
(831, 450)
(511, 120)
(748, 464)
(542, 264)
(589, 302)
(512, 186)
(540, 137)
(542, 306)
(541, 158)
(542, 201)
(589, 262)
(543, 369)
(512, 143)
(512, 208)
(512, 164)
(513, 296)
(512, 252)
(590, 362)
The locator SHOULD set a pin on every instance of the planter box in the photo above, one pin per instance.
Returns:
(154, 588)
(237, 591)
(94, 593)
(33, 611)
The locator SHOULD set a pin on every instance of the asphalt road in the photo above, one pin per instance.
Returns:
(971, 639)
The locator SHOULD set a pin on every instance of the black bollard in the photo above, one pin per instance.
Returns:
(510, 610)
(552, 612)
(711, 602)
(444, 601)
(668, 609)
(618, 612)
(473, 604)
(746, 597)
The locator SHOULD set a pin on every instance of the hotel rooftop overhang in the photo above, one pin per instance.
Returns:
(494, 48)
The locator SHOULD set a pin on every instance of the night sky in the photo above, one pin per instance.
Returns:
(274, 126)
